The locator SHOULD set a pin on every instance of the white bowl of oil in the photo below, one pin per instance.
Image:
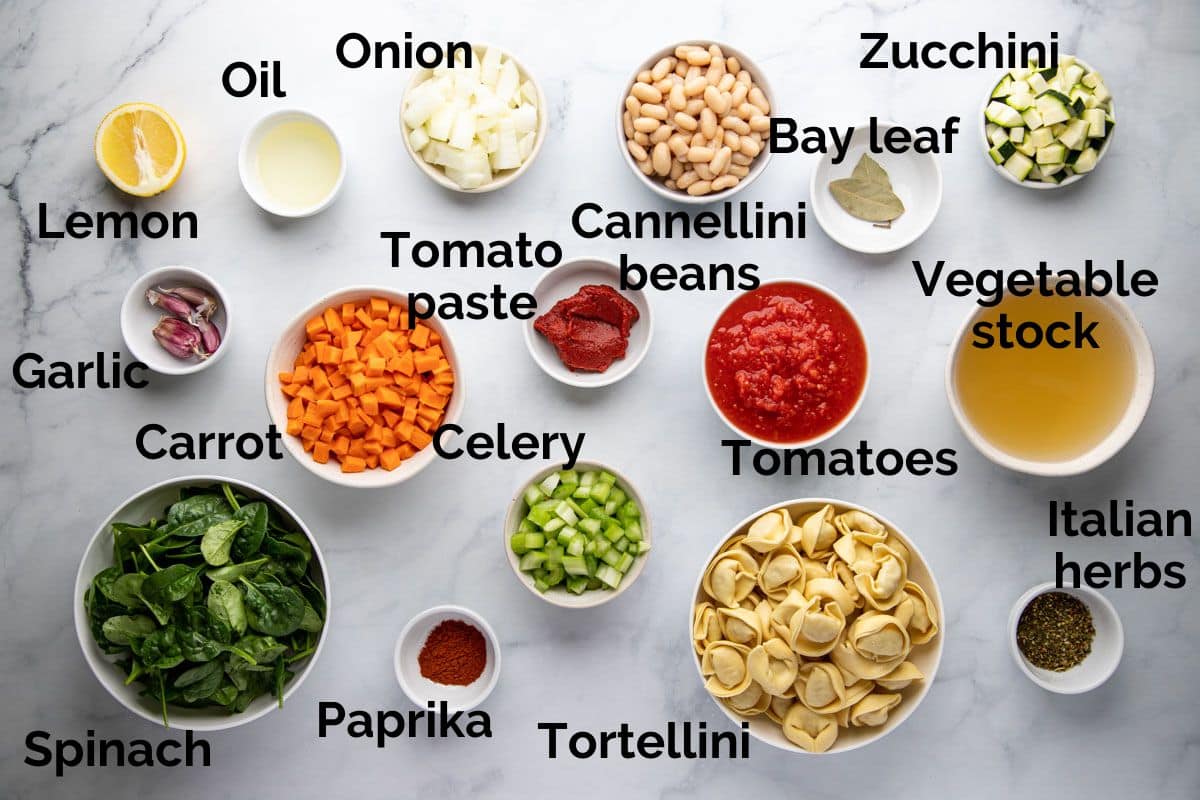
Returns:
(1051, 410)
(291, 163)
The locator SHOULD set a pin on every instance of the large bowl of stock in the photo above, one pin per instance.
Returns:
(144, 505)
(926, 657)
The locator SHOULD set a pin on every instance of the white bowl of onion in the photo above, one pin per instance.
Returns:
(489, 143)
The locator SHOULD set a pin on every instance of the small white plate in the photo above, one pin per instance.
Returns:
(419, 689)
(1107, 647)
(138, 319)
(916, 179)
(248, 163)
(565, 280)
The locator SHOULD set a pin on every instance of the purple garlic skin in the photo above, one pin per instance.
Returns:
(170, 303)
(179, 338)
(210, 337)
(203, 303)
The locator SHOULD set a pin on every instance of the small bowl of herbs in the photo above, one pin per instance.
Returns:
(202, 603)
(1067, 640)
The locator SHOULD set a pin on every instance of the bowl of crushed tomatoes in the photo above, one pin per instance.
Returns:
(786, 364)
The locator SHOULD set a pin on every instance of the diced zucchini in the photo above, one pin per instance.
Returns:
(1048, 73)
(1087, 160)
(1052, 107)
(1017, 134)
(1031, 118)
(1019, 101)
(1091, 79)
(1051, 154)
(1001, 89)
(1075, 135)
(1071, 74)
(1096, 124)
(1018, 165)
(1020, 73)
(1042, 137)
(996, 134)
(1037, 83)
(1003, 115)
(1101, 93)
(1027, 147)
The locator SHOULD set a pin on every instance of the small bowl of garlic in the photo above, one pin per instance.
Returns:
(176, 320)
(474, 128)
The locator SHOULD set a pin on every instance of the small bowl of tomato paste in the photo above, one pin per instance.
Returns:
(786, 364)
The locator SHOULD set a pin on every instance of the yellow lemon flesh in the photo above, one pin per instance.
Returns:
(140, 149)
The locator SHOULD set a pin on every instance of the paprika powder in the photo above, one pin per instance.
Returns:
(454, 654)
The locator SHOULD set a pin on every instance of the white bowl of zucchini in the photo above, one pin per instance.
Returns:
(578, 537)
(1048, 128)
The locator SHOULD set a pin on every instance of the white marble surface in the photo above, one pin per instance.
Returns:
(984, 731)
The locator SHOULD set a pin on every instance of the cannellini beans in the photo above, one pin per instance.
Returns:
(695, 120)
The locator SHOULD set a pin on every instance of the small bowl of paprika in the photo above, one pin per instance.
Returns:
(447, 653)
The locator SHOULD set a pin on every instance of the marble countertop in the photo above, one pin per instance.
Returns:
(68, 457)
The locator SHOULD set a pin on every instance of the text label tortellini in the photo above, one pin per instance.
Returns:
(811, 621)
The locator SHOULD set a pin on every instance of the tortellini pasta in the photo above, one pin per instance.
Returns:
(811, 622)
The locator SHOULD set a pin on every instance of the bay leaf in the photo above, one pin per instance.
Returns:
(868, 169)
(866, 200)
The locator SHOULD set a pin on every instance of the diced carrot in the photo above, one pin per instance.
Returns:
(364, 317)
(420, 439)
(370, 403)
(295, 409)
(373, 448)
(350, 353)
(359, 382)
(389, 397)
(321, 453)
(388, 437)
(353, 464)
(389, 459)
(356, 448)
(419, 338)
(431, 398)
(341, 445)
(405, 430)
(343, 391)
(410, 410)
(375, 366)
(294, 427)
(307, 393)
(315, 325)
(423, 362)
(374, 434)
(347, 313)
(394, 317)
(286, 378)
(310, 432)
(391, 418)
(372, 461)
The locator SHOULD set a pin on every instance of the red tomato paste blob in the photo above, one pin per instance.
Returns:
(786, 363)
(589, 329)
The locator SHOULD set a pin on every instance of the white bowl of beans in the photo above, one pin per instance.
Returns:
(693, 122)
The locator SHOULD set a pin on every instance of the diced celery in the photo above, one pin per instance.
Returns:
(579, 512)
(601, 546)
(532, 495)
(588, 478)
(569, 476)
(554, 553)
(577, 584)
(591, 564)
(575, 548)
(590, 526)
(621, 545)
(566, 535)
(594, 583)
(617, 495)
(625, 563)
(611, 506)
(629, 511)
(609, 576)
(633, 531)
(517, 542)
(541, 513)
(540, 585)
(588, 506)
(580, 492)
(600, 491)
(526, 525)
(533, 541)
(643, 547)
(563, 491)
(554, 524)
(613, 531)
(553, 575)
(575, 565)
(589, 549)
(611, 557)
(532, 560)
(607, 477)
(564, 512)
(549, 483)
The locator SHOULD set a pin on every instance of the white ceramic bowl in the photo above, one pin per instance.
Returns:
(501, 179)
(999, 168)
(248, 165)
(558, 595)
(419, 689)
(916, 179)
(1135, 412)
(1107, 646)
(926, 657)
(654, 184)
(565, 280)
(282, 357)
(812, 442)
(143, 505)
(138, 319)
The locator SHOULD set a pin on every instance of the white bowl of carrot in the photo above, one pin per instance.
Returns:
(357, 393)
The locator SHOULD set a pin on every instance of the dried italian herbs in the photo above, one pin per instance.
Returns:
(1055, 631)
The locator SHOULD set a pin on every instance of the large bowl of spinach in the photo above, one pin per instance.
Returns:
(202, 603)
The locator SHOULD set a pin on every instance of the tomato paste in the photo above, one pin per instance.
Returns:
(589, 329)
(786, 363)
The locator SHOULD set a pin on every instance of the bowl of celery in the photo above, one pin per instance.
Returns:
(578, 537)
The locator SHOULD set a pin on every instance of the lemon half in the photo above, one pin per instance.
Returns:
(140, 148)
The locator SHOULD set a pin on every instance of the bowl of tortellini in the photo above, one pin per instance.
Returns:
(820, 623)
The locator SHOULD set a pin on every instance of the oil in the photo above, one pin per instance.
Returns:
(1044, 403)
(298, 163)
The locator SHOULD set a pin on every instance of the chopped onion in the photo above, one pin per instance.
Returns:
(473, 121)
